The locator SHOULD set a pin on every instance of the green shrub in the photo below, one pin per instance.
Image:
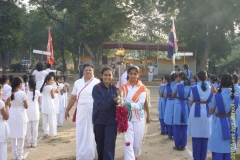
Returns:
(15, 67)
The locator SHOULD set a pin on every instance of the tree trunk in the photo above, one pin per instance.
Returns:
(95, 62)
(95, 57)
(3, 57)
(75, 62)
(203, 63)
(62, 50)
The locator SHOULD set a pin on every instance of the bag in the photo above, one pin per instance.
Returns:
(75, 112)
(74, 115)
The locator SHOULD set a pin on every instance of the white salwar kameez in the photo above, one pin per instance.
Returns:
(85, 142)
(62, 107)
(48, 112)
(4, 132)
(18, 123)
(33, 117)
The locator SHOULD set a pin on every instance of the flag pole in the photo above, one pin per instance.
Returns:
(175, 39)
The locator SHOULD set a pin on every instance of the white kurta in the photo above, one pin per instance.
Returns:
(85, 142)
(39, 76)
(4, 131)
(56, 99)
(6, 91)
(33, 106)
(47, 103)
(17, 116)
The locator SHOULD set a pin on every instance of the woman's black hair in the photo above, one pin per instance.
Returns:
(171, 78)
(195, 79)
(47, 78)
(202, 75)
(3, 79)
(219, 77)
(39, 67)
(167, 78)
(10, 77)
(183, 76)
(54, 77)
(133, 68)
(185, 66)
(105, 69)
(235, 78)
(32, 84)
(87, 65)
(31, 76)
(25, 78)
(227, 82)
(15, 83)
(213, 78)
(57, 78)
(64, 78)
(0, 86)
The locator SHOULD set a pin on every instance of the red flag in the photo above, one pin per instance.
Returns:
(50, 59)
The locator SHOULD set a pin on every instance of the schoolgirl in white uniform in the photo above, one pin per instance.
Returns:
(66, 85)
(33, 99)
(25, 83)
(4, 129)
(48, 108)
(62, 103)
(56, 99)
(18, 118)
(6, 89)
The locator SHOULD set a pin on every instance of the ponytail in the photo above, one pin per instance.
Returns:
(41, 89)
(233, 91)
(203, 86)
(47, 78)
(34, 88)
(15, 83)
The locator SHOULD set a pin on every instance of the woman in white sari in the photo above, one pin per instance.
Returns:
(82, 95)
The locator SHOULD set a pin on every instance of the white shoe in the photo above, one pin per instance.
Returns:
(34, 145)
(29, 145)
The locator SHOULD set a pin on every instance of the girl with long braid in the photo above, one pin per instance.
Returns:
(187, 71)
(18, 118)
(48, 109)
(168, 116)
(199, 117)
(33, 114)
(162, 104)
(181, 92)
(223, 108)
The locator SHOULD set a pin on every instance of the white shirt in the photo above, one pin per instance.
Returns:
(6, 91)
(50, 70)
(33, 106)
(150, 69)
(124, 78)
(39, 76)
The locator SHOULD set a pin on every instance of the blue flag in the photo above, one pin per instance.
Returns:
(171, 46)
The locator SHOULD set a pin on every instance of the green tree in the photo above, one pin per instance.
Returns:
(10, 29)
(205, 26)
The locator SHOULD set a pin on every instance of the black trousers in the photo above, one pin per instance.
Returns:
(105, 137)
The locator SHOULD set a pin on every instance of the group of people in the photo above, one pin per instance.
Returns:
(96, 125)
(20, 102)
(206, 110)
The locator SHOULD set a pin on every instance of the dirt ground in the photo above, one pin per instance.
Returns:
(155, 146)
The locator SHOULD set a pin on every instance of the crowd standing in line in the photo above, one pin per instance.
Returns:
(206, 109)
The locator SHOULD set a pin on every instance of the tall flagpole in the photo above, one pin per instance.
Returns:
(175, 43)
